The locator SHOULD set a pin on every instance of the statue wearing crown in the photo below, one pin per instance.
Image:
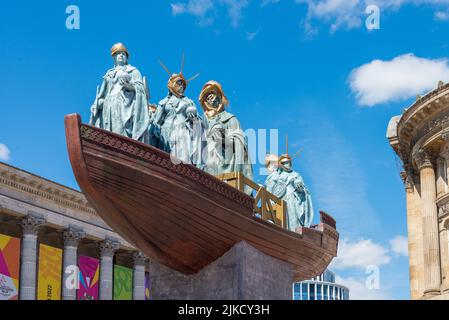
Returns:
(289, 186)
(178, 123)
(121, 103)
(227, 148)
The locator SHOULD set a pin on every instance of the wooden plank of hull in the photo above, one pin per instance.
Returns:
(180, 215)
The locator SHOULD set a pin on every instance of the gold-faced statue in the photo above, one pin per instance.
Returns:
(271, 163)
(119, 47)
(177, 83)
(212, 99)
(285, 162)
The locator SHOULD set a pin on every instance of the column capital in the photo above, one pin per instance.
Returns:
(72, 236)
(443, 210)
(30, 224)
(108, 247)
(407, 179)
(139, 258)
(424, 158)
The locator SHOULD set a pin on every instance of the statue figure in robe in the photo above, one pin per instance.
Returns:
(289, 186)
(153, 129)
(227, 148)
(178, 123)
(121, 102)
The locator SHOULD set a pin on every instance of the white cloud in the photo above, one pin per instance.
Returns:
(358, 289)
(349, 14)
(250, 36)
(396, 80)
(441, 15)
(360, 254)
(399, 245)
(203, 10)
(4, 153)
(198, 8)
(235, 8)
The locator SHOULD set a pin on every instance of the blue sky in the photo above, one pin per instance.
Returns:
(307, 68)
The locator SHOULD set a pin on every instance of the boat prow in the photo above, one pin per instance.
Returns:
(179, 215)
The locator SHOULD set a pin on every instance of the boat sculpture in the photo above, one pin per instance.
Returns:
(179, 215)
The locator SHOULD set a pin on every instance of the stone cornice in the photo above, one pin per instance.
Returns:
(43, 189)
(428, 116)
(422, 102)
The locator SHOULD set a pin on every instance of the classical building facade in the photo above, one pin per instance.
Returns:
(420, 137)
(322, 287)
(49, 234)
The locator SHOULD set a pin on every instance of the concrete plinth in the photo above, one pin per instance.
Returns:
(243, 273)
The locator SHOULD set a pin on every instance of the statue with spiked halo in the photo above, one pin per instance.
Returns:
(178, 122)
(289, 186)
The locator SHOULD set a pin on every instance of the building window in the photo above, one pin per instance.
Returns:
(319, 291)
(304, 291)
(326, 292)
(312, 292)
(296, 291)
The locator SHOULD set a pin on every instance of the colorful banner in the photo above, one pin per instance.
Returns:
(9, 267)
(147, 286)
(50, 276)
(123, 283)
(89, 275)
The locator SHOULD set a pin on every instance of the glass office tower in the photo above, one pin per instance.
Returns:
(322, 287)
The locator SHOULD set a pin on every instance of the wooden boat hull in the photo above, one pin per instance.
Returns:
(177, 214)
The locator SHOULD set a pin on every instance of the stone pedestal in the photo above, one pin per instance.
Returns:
(243, 273)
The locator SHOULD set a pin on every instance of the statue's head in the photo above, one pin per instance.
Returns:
(120, 54)
(212, 98)
(285, 162)
(177, 84)
(271, 163)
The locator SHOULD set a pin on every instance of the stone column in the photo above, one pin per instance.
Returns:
(414, 230)
(30, 225)
(107, 250)
(71, 238)
(431, 245)
(441, 175)
(444, 247)
(139, 260)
